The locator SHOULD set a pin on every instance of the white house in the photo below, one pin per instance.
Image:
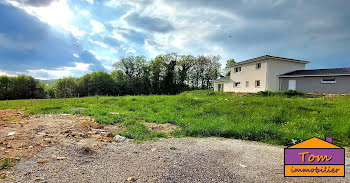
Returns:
(258, 74)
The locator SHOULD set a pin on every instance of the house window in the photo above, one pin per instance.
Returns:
(257, 83)
(238, 69)
(238, 84)
(258, 66)
(329, 81)
(247, 84)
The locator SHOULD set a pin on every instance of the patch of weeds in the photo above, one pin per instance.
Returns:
(262, 134)
(326, 126)
(110, 101)
(50, 108)
(307, 109)
(140, 133)
(266, 93)
(199, 93)
(5, 163)
(279, 118)
(3, 176)
(287, 93)
(293, 93)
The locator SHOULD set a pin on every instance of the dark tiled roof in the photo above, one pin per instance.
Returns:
(316, 72)
(270, 57)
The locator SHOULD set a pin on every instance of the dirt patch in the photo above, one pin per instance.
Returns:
(28, 136)
(9, 115)
(155, 127)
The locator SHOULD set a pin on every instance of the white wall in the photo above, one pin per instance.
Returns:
(275, 68)
(251, 74)
(228, 86)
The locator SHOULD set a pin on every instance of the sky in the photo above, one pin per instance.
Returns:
(50, 39)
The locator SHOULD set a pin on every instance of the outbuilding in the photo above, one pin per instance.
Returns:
(333, 81)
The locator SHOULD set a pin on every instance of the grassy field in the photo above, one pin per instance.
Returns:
(275, 119)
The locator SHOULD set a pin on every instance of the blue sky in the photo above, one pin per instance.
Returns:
(49, 39)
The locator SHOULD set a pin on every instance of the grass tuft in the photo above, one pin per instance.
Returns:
(5, 163)
(140, 133)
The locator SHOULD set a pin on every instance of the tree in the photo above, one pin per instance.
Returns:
(206, 69)
(50, 91)
(169, 63)
(5, 85)
(212, 71)
(229, 62)
(156, 75)
(20, 87)
(102, 83)
(184, 65)
(84, 85)
(66, 87)
(121, 82)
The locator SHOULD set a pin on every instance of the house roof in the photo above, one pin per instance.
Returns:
(314, 143)
(318, 72)
(224, 79)
(269, 57)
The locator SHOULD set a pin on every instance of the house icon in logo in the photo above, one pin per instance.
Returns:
(313, 158)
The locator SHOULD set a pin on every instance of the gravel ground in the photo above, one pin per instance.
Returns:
(166, 160)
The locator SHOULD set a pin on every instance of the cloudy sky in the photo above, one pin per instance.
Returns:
(58, 38)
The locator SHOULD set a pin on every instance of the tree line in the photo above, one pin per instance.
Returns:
(134, 75)
(21, 87)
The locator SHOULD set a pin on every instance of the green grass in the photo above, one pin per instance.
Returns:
(140, 132)
(274, 118)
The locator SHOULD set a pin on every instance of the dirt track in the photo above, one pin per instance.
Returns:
(83, 154)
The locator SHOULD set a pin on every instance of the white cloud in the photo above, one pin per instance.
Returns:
(3, 73)
(78, 70)
(90, 1)
(75, 31)
(97, 26)
(57, 14)
(103, 57)
(76, 55)
(131, 50)
(118, 3)
(85, 12)
(101, 44)
(117, 34)
(193, 26)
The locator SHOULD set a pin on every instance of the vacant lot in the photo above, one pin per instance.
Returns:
(72, 148)
(272, 119)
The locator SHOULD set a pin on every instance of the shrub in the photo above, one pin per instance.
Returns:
(293, 93)
(287, 93)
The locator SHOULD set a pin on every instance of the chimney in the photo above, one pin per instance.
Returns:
(329, 139)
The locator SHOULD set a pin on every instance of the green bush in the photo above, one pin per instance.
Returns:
(288, 93)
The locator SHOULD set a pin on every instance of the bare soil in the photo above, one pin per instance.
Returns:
(69, 148)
